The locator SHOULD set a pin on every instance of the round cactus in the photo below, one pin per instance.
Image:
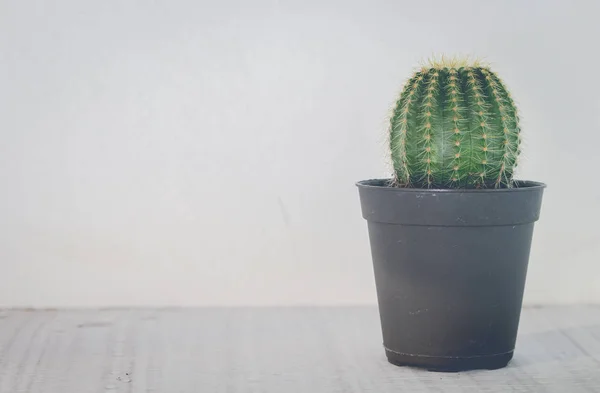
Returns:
(455, 125)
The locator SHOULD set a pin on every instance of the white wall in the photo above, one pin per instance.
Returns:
(201, 153)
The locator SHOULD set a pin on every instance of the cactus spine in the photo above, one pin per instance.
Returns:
(454, 126)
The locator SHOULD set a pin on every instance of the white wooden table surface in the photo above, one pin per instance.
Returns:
(279, 350)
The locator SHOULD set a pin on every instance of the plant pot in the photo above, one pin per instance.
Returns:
(450, 269)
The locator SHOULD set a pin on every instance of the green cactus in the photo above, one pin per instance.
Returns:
(455, 125)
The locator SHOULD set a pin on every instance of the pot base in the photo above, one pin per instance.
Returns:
(449, 364)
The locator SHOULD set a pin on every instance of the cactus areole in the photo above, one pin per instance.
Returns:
(454, 126)
(451, 230)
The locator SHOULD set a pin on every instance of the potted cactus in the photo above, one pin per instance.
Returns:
(451, 230)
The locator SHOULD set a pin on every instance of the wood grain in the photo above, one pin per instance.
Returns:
(279, 350)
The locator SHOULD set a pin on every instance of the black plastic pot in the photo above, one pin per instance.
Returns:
(450, 268)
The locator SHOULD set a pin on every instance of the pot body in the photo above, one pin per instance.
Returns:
(450, 269)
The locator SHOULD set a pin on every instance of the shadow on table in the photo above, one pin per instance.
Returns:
(558, 345)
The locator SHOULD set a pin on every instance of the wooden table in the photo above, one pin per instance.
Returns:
(278, 350)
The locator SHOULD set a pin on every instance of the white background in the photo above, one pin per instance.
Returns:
(205, 152)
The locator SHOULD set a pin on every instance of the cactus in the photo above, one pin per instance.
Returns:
(455, 125)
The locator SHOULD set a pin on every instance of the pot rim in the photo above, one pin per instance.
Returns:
(382, 184)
